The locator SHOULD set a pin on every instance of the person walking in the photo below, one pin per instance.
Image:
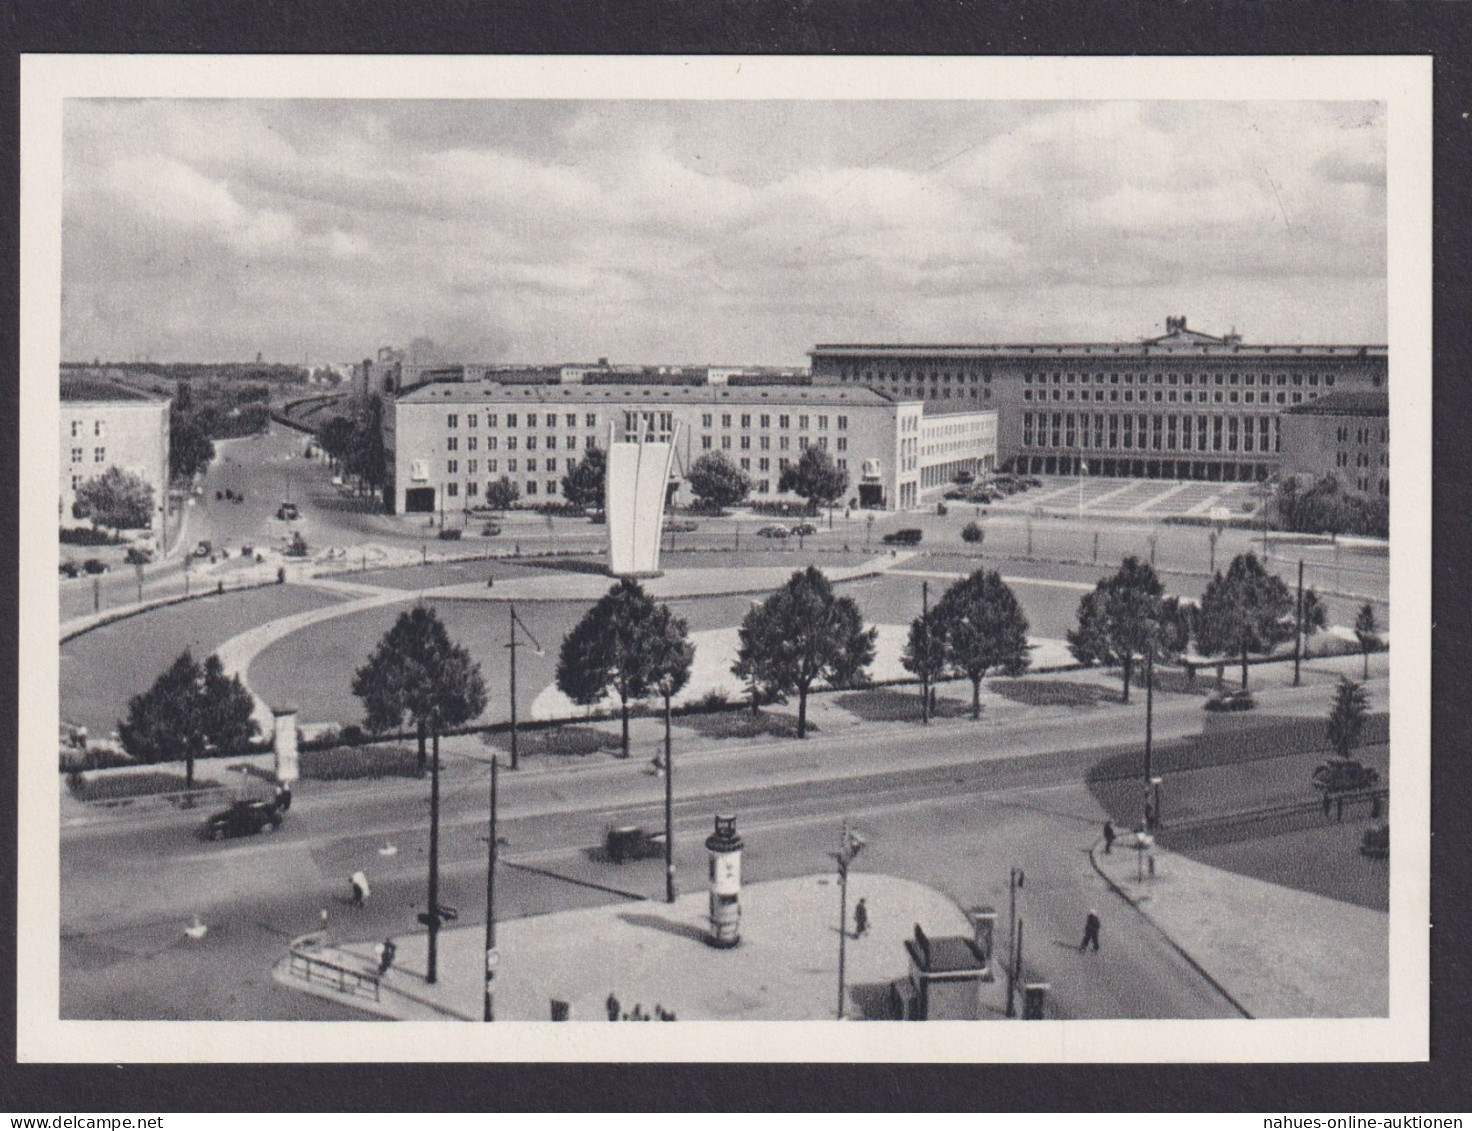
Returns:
(1108, 837)
(361, 892)
(861, 919)
(1091, 931)
(387, 952)
(612, 1006)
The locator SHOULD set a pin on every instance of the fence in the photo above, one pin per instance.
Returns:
(321, 971)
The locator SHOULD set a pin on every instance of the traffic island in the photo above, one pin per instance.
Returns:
(649, 955)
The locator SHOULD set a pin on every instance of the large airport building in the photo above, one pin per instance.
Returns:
(1186, 405)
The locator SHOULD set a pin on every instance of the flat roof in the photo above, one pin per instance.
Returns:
(98, 389)
(477, 392)
(963, 352)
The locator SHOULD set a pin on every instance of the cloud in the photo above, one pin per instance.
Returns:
(690, 231)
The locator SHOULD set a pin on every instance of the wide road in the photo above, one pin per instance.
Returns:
(954, 817)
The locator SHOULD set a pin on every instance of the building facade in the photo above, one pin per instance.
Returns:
(1346, 434)
(447, 441)
(1186, 405)
(106, 424)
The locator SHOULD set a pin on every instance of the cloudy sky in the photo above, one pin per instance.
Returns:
(733, 232)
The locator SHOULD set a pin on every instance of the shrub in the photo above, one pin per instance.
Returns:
(971, 533)
(355, 763)
(118, 787)
(87, 536)
(137, 555)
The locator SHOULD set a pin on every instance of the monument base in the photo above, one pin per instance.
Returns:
(637, 575)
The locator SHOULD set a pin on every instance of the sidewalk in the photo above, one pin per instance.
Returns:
(1277, 951)
(785, 969)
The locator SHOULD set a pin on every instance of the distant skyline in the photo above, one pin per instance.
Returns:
(710, 232)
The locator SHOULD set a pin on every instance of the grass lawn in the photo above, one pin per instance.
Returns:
(117, 787)
(102, 669)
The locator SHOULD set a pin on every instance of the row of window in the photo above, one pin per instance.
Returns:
(550, 486)
(549, 443)
(531, 465)
(1152, 433)
(764, 420)
(1181, 378)
(79, 428)
(1169, 396)
(764, 443)
(472, 490)
(1361, 435)
(533, 420)
(1361, 459)
(99, 455)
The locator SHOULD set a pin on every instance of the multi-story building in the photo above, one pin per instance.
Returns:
(1344, 433)
(1186, 405)
(107, 424)
(446, 441)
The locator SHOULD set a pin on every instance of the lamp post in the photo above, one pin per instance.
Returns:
(432, 917)
(925, 660)
(492, 956)
(849, 846)
(1211, 537)
(669, 804)
(1149, 721)
(514, 622)
(1015, 880)
(1298, 626)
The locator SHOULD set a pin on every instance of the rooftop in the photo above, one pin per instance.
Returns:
(1346, 402)
(497, 393)
(98, 389)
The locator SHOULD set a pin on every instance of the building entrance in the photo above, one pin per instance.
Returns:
(419, 500)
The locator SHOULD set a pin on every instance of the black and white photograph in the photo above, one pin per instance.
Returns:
(576, 542)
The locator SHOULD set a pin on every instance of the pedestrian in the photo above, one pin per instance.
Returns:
(1328, 803)
(360, 888)
(1091, 931)
(387, 951)
(322, 915)
(1339, 810)
(611, 1006)
(1108, 836)
(861, 919)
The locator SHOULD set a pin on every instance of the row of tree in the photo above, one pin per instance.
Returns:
(1325, 507)
(354, 444)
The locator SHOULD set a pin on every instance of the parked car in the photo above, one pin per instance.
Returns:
(907, 537)
(1339, 775)
(956, 493)
(489, 530)
(70, 569)
(247, 818)
(772, 530)
(450, 534)
(804, 530)
(1223, 700)
(682, 526)
(288, 512)
(95, 565)
(204, 549)
(631, 842)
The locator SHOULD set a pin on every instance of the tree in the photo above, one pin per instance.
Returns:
(626, 644)
(1248, 610)
(800, 634)
(973, 534)
(116, 498)
(1368, 633)
(502, 494)
(816, 478)
(717, 481)
(368, 459)
(925, 652)
(984, 628)
(190, 446)
(418, 672)
(1124, 617)
(1315, 615)
(582, 486)
(1347, 716)
(188, 712)
(338, 438)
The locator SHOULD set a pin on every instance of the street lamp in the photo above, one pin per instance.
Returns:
(1015, 880)
(849, 846)
(493, 957)
(515, 621)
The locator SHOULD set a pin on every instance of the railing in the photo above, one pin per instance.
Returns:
(309, 968)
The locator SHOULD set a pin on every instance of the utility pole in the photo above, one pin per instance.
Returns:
(433, 917)
(492, 958)
(511, 624)
(925, 663)
(1015, 880)
(849, 846)
(669, 807)
(1149, 720)
(1298, 626)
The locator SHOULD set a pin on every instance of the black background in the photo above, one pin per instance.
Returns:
(1120, 27)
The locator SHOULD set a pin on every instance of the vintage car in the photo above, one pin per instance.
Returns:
(1223, 700)
(772, 530)
(247, 818)
(907, 537)
(804, 530)
(1344, 775)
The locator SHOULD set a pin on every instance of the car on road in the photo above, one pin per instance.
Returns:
(1342, 775)
(450, 534)
(204, 549)
(682, 526)
(1222, 700)
(70, 569)
(95, 565)
(907, 537)
(288, 512)
(247, 818)
(632, 842)
(804, 530)
(772, 530)
(489, 530)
